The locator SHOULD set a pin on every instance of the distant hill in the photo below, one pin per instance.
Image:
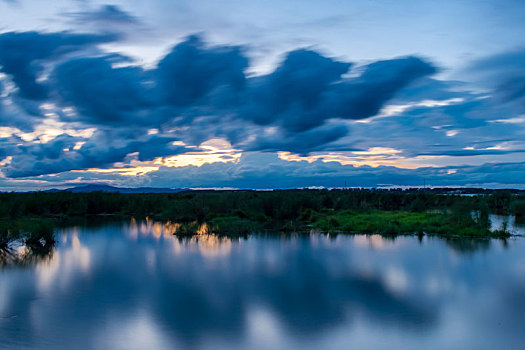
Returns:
(112, 189)
(86, 188)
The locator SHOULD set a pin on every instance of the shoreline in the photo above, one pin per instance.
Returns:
(32, 216)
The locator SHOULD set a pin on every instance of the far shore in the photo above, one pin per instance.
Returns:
(31, 217)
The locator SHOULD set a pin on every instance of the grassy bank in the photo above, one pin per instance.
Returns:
(402, 222)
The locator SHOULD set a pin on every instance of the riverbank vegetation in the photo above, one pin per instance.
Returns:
(35, 232)
(30, 216)
(402, 222)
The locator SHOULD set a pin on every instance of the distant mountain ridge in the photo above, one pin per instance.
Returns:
(87, 188)
(111, 189)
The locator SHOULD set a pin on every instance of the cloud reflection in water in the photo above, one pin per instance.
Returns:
(136, 285)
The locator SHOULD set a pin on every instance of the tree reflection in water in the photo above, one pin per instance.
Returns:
(17, 254)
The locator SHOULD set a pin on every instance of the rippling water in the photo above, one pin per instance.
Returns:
(136, 286)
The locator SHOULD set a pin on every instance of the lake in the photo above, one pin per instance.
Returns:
(136, 286)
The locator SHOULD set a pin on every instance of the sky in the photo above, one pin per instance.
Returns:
(262, 94)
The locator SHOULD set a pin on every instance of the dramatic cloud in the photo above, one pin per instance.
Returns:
(101, 93)
(294, 94)
(103, 149)
(307, 89)
(70, 103)
(194, 94)
(194, 80)
(191, 72)
(22, 56)
(380, 81)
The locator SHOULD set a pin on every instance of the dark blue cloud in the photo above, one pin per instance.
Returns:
(191, 71)
(39, 158)
(303, 142)
(156, 146)
(364, 96)
(293, 94)
(22, 54)
(103, 94)
(301, 94)
(308, 89)
(103, 149)
(505, 73)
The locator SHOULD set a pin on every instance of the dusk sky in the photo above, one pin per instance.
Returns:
(262, 94)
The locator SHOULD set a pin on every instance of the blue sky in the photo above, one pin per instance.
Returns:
(262, 94)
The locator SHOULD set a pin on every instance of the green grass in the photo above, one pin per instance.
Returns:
(233, 225)
(401, 222)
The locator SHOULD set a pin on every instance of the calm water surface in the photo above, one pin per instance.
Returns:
(136, 286)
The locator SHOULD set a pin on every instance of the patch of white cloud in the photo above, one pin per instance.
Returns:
(395, 110)
(516, 120)
(47, 131)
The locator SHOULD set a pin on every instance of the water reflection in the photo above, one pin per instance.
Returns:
(514, 226)
(20, 255)
(376, 242)
(469, 245)
(209, 244)
(137, 286)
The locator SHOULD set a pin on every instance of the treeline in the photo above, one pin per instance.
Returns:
(32, 215)
(275, 205)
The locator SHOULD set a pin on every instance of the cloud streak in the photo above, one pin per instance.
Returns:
(104, 15)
